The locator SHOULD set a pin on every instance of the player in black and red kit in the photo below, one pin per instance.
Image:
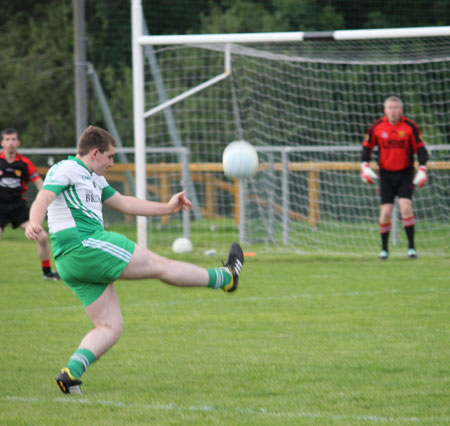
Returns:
(15, 173)
(398, 139)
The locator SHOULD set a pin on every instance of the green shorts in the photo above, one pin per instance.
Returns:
(96, 262)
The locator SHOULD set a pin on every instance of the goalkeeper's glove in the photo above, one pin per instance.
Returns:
(421, 177)
(367, 174)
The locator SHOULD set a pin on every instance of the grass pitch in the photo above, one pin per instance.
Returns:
(321, 340)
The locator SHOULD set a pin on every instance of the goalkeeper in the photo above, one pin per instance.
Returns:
(398, 139)
(89, 259)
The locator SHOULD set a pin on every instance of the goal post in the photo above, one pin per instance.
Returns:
(304, 100)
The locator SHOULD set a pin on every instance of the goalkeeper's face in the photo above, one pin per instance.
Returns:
(393, 111)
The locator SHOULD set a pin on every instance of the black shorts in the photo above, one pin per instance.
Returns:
(394, 184)
(16, 212)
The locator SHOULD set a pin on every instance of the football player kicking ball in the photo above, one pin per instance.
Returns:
(89, 259)
(398, 139)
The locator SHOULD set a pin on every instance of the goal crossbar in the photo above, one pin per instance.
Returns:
(289, 36)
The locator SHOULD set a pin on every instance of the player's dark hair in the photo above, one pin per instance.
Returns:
(10, 131)
(94, 137)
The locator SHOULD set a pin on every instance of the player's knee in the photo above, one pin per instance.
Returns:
(386, 214)
(115, 328)
(157, 263)
(405, 208)
(385, 218)
(117, 332)
(161, 265)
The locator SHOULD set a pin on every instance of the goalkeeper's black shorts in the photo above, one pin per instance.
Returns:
(394, 184)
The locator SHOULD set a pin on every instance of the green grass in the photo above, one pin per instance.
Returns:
(307, 340)
(331, 236)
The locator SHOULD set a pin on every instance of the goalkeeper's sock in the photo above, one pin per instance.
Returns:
(385, 228)
(80, 361)
(408, 224)
(218, 277)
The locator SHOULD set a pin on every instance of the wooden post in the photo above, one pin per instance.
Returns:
(210, 196)
(164, 180)
(314, 198)
(127, 191)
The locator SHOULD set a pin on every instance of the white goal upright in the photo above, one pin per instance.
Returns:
(304, 100)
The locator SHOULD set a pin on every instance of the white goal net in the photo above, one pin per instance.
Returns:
(305, 105)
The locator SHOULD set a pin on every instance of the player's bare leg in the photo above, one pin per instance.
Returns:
(386, 213)
(147, 264)
(106, 316)
(405, 206)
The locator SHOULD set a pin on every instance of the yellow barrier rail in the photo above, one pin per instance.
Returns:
(204, 172)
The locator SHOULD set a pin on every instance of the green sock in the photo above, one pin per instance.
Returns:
(218, 277)
(80, 361)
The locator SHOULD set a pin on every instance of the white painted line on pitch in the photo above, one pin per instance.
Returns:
(207, 408)
(46, 309)
(236, 299)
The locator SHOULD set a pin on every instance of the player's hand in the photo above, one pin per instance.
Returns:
(179, 202)
(421, 177)
(367, 174)
(32, 231)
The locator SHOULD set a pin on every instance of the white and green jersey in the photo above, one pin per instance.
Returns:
(76, 212)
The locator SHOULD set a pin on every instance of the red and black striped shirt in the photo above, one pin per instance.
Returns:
(397, 143)
(14, 177)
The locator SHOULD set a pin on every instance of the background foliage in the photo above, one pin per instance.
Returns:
(36, 48)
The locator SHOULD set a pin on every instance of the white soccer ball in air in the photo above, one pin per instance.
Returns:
(182, 245)
(240, 160)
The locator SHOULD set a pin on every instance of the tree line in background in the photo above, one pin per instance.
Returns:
(36, 48)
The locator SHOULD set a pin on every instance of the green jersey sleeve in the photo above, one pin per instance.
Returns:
(107, 192)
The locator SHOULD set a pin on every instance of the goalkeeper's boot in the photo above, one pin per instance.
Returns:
(412, 254)
(234, 264)
(67, 383)
(383, 255)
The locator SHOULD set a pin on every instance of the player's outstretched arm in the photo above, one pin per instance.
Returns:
(37, 213)
(135, 206)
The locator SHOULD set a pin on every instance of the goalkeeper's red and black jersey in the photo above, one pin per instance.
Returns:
(15, 176)
(397, 143)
